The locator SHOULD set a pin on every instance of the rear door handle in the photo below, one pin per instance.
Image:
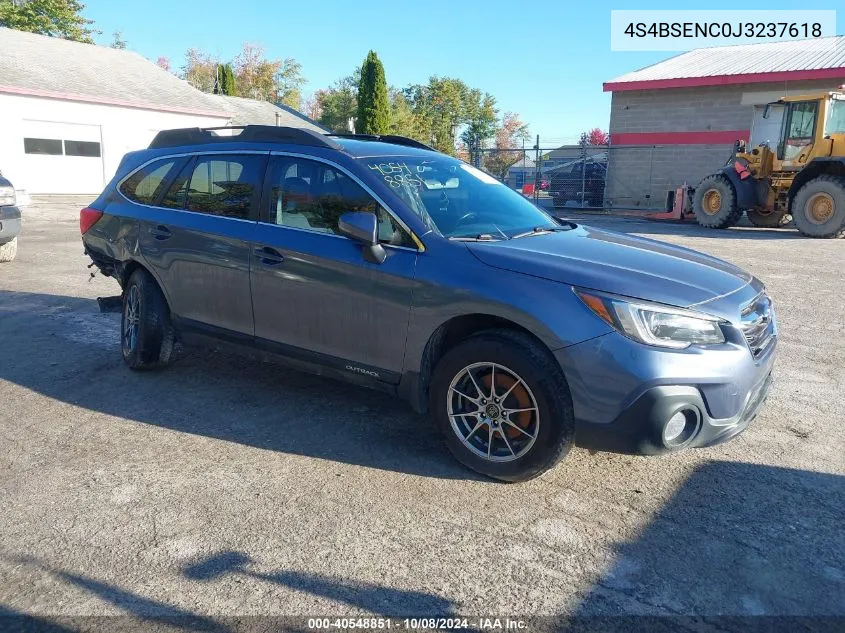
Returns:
(161, 232)
(269, 256)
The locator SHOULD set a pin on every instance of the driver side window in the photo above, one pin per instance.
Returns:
(310, 195)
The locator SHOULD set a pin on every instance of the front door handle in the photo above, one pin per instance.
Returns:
(269, 256)
(161, 232)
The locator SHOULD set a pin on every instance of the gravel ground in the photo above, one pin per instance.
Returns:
(224, 487)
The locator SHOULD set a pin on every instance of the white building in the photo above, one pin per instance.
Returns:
(70, 111)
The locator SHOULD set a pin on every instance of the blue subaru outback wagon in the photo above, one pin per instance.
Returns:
(380, 261)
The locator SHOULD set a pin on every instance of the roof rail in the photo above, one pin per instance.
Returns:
(251, 133)
(387, 138)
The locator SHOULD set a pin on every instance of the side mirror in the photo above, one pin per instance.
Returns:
(360, 226)
(767, 110)
(363, 228)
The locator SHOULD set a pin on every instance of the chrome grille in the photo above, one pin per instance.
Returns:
(758, 324)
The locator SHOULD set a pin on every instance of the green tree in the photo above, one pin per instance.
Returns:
(481, 119)
(446, 107)
(118, 41)
(339, 103)
(403, 121)
(227, 80)
(373, 102)
(56, 18)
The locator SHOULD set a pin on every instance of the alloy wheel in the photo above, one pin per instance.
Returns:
(493, 412)
(131, 318)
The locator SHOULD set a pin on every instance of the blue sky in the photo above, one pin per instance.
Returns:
(546, 60)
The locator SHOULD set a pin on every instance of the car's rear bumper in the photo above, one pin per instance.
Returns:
(10, 223)
(624, 393)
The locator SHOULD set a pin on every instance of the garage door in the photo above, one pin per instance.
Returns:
(64, 158)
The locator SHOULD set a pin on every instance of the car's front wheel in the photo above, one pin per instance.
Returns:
(146, 332)
(503, 405)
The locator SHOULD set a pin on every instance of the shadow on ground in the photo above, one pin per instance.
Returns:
(66, 349)
(145, 614)
(742, 547)
(366, 597)
(739, 547)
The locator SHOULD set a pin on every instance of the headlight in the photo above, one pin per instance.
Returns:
(652, 323)
(7, 196)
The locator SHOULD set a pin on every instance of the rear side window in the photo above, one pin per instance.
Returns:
(222, 185)
(143, 186)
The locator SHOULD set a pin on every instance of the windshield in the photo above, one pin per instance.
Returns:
(458, 200)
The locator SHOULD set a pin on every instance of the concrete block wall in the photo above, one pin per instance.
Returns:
(639, 176)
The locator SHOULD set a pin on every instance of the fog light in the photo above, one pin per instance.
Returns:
(681, 427)
(675, 426)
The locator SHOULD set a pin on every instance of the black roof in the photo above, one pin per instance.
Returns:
(359, 144)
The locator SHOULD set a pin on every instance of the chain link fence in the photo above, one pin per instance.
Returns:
(601, 177)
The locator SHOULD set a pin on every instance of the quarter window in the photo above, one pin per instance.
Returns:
(143, 186)
(310, 195)
(223, 185)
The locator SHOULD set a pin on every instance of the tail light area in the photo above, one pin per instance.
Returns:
(88, 217)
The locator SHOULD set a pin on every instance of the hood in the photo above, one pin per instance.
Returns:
(617, 263)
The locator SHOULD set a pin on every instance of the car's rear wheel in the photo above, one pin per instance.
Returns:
(146, 332)
(8, 250)
(503, 405)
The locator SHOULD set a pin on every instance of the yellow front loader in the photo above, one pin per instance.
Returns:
(802, 176)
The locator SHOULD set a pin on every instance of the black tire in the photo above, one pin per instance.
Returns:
(153, 343)
(723, 215)
(8, 250)
(771, 220)
(534, 365)
(833, 188)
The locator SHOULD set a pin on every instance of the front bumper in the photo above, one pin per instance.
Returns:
(10, 223)
(624, 393)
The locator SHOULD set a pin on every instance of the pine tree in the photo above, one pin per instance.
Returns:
(227, 80)
(373, 102)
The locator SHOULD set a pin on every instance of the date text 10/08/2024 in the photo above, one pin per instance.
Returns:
(418, 624)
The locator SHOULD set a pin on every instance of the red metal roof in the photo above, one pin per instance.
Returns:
(823, 58)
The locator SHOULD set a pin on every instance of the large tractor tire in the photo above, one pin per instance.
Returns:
(715, 203)
(768, 219)
(818, 208)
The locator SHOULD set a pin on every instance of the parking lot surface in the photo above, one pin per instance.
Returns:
(223, 486)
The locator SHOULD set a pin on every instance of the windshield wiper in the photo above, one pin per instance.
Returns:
(483, 237)
(541, 230)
